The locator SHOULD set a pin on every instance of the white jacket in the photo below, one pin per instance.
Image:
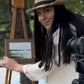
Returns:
(57, 75)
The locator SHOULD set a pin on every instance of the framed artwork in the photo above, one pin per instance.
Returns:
(21, 50)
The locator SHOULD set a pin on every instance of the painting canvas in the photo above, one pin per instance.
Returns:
(20, 49)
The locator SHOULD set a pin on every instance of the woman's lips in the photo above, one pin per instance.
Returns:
(46, 23)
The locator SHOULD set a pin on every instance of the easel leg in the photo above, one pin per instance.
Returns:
(10, 74)
(6, 78)
(14, 23)
(24, 24)
(33, 82)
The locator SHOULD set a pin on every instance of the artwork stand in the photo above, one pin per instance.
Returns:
(17, 7)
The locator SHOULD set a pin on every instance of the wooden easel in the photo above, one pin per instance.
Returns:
(17, 7)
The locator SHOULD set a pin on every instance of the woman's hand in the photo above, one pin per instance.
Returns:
(11, 64)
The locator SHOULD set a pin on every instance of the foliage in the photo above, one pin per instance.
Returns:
(32, 22)
(2, 49)
(29, 3)
(76, 6)
(4, 5)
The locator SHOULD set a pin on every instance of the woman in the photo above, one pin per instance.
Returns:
(54, 26)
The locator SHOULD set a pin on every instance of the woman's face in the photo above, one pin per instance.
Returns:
(46, 16)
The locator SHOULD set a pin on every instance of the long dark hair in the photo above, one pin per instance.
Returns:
(44, 43)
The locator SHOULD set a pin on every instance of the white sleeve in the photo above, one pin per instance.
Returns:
(33, 72)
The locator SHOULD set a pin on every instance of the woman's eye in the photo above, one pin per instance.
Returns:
(38, 13)
(47, 10)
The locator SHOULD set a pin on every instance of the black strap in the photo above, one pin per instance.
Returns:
(44, 2)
